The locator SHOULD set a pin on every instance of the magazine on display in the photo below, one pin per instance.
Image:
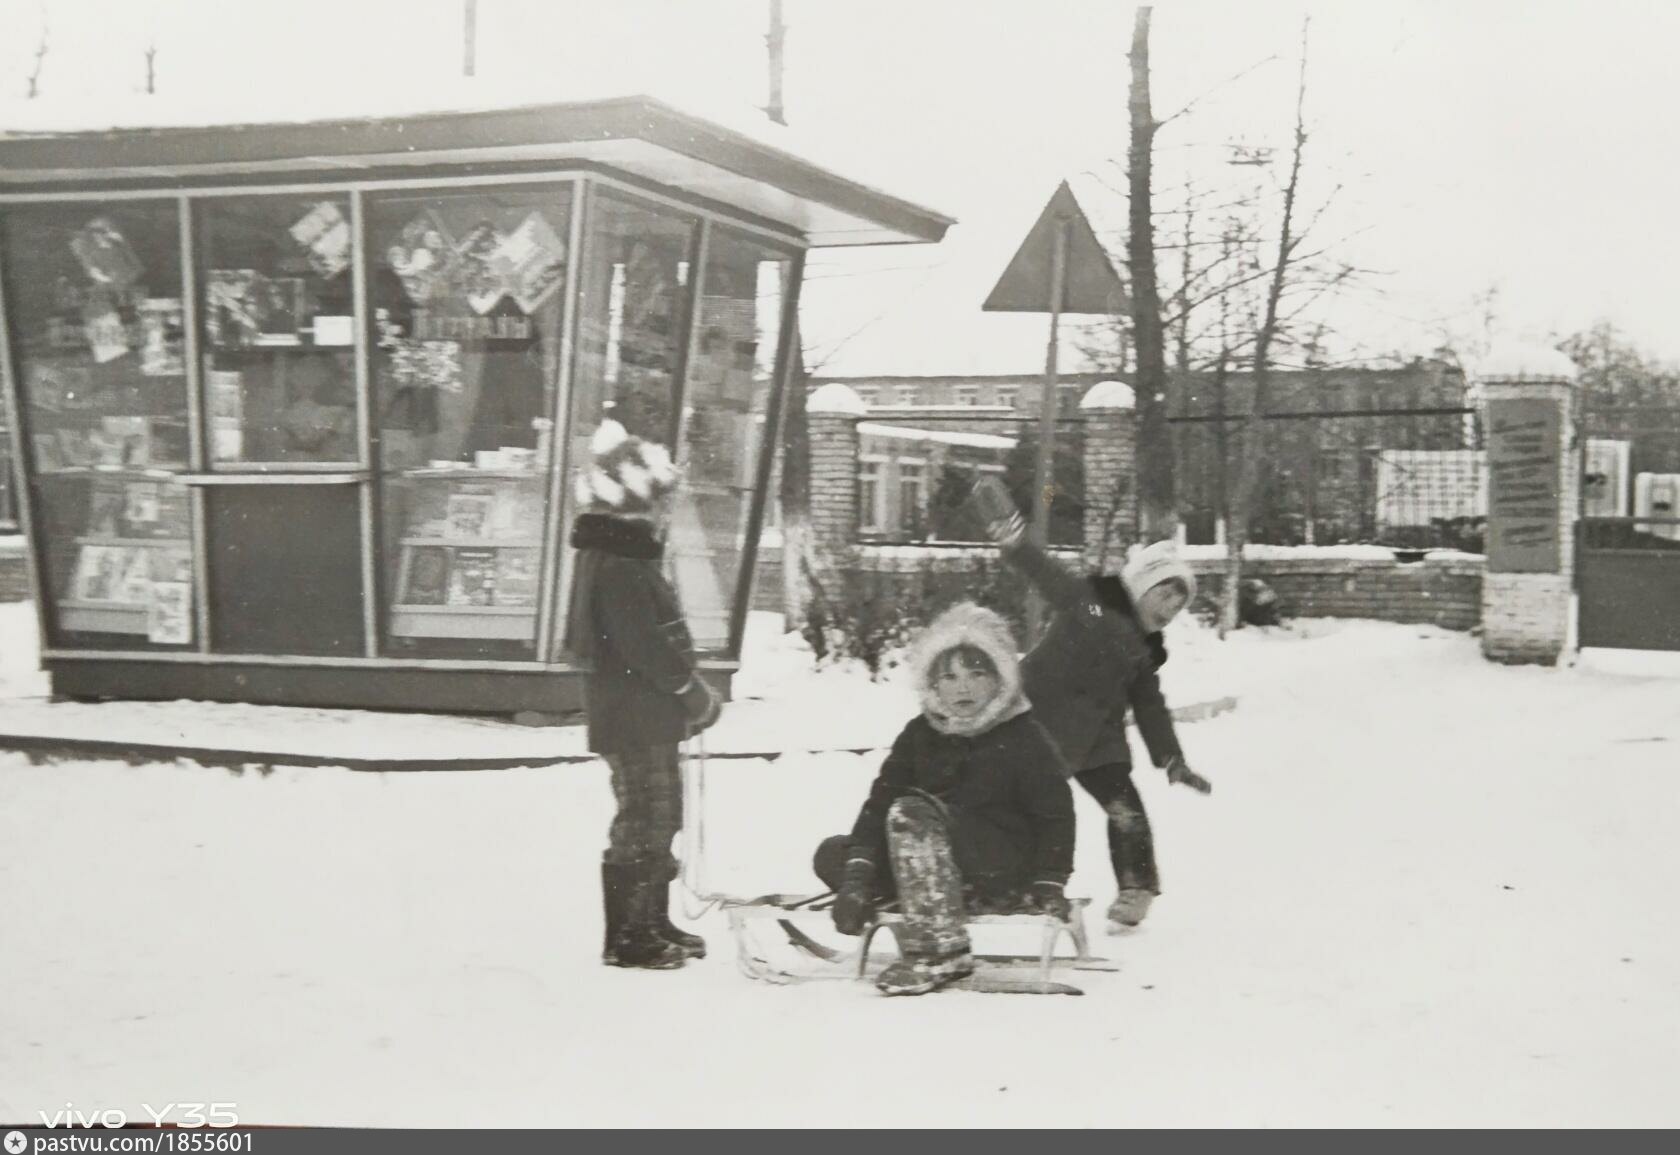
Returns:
(472, 577)
(169, 613)
(162, 337)
(516, 576)
(426, 577)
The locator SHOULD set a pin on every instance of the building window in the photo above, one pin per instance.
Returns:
(1067, 399)
(868, 394)
(1006, 395)
(912, 497)
(905, 394)
(967, 394)
(871, 496)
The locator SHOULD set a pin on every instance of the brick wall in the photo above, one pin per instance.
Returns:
(1443, 593)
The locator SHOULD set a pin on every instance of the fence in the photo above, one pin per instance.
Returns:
(1409, 478)
(915, 474)
(1631, 472)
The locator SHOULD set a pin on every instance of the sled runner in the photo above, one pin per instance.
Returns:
(996, 973)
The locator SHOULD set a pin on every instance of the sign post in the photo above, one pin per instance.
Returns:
(1060, 267)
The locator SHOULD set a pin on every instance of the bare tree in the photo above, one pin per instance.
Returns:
(1248, 472)
(1157, 508)
(151, 68)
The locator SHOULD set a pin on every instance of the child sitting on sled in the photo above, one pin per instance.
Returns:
(971, 808)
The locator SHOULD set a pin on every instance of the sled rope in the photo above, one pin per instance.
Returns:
(695, 884)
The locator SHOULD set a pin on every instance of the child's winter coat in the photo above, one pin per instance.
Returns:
(627, 623)
(997, 775)
(1092, 665)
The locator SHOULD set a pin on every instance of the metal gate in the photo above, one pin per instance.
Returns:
(1627, 571)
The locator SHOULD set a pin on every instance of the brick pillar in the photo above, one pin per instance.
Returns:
(1534, 474)
(833, 412)
(1111, 518)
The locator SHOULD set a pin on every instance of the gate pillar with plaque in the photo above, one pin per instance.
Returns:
(1533, 478)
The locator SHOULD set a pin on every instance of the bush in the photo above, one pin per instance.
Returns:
(871, 615)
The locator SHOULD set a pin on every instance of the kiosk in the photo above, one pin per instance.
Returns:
(296, 407)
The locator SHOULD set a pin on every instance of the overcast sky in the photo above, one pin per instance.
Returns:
(1516, 146)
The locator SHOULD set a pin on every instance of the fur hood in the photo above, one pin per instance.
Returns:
(968, 624)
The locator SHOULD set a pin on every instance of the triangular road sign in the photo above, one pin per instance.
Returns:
(1089, 284)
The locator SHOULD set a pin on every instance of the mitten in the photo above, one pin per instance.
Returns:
(701, 704)
(997, 512)
(855, 901)
(1179, 771)
(1048, 898)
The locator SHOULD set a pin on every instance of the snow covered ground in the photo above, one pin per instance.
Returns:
(1426, 891)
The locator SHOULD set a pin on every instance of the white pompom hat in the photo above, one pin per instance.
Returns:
(626, 474)
(1155, 563)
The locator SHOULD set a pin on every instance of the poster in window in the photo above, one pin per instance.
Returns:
(105, 254)
(472, 577)
(140, 507)
(171, 564)
(231, 307)
(532, 261)
(423, 258)
(169, 613)
(325, 234)
(162, 337)
(476, 275)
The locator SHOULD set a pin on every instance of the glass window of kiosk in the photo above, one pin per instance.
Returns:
(467, 290)
(278, 331)
(632, 312)
(742, 288)
(94, 293)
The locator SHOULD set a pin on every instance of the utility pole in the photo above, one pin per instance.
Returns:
(469, 39)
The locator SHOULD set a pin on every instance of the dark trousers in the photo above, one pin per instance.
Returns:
(648, 787)
(1131, 844)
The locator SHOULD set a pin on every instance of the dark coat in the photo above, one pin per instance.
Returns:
(1093, 665)
(998, 776)
(627, 624)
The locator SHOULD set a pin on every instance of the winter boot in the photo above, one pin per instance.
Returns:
(659, 896)
(934, 935)
(1130, 907)
(630, 940)
(918, 976)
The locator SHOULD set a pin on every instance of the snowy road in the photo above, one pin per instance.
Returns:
(1426, 891)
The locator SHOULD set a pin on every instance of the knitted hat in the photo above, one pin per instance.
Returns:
(1154, 564)
(626, 474)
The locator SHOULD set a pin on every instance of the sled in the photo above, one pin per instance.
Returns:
(995, 974)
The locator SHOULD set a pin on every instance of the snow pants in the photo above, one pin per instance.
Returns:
(1131, 843)
(647, 784)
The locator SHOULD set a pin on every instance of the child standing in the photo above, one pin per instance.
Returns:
(1099, 659)
(971, 804)
(643, 694)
